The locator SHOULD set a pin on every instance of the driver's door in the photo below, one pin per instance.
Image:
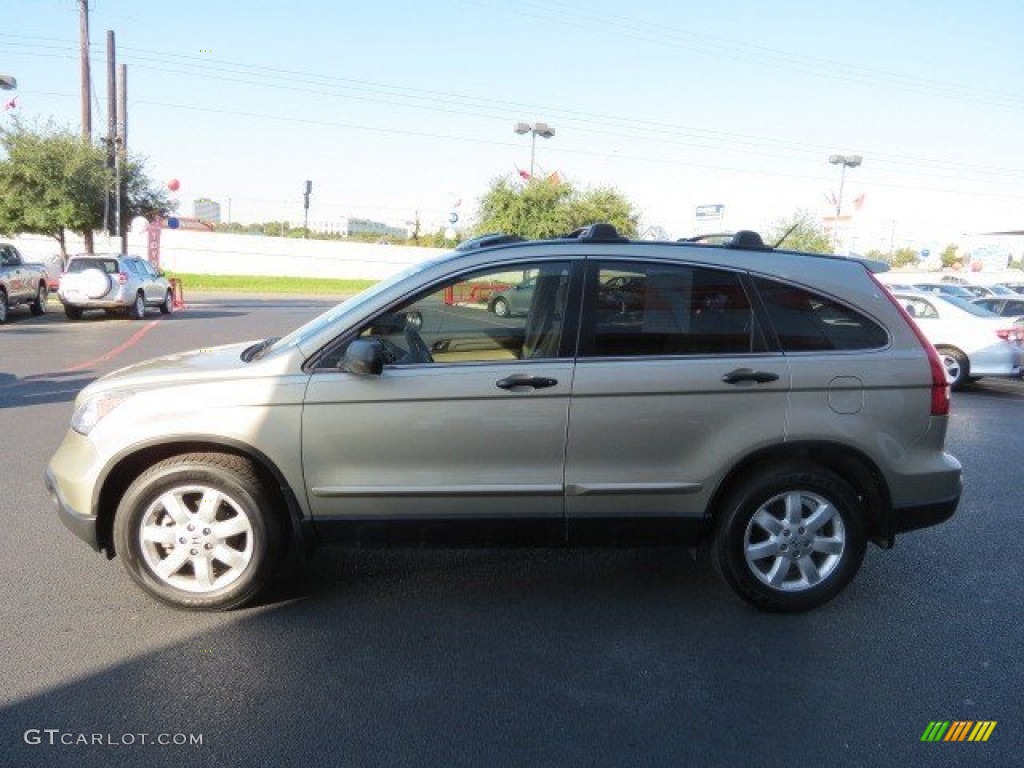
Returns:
(468, 418)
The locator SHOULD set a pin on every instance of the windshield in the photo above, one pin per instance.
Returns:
(334, 314)
(969, 306)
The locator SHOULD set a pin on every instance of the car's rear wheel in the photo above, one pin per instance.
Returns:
(790, 538)
(138, 310)
(197, 531)
(957, 366)
(3, 307)
(73, 313)
(38, 306)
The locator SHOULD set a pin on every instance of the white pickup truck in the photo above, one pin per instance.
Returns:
(21, 283)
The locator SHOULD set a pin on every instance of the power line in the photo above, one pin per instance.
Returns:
(486, 108)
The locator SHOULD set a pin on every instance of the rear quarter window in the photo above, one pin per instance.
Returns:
(805, 321)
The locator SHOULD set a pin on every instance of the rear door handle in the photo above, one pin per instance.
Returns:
(741, 375)
(522, 381)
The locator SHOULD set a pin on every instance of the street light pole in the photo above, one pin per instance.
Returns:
(543, 130)
(846, 161)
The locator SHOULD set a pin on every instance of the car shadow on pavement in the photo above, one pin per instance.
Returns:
(42, 388)
(477, 657)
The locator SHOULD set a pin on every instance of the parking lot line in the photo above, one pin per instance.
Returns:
(133, 339)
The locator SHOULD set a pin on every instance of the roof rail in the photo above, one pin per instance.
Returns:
(743, 240)
(485, 241)
(600, 232)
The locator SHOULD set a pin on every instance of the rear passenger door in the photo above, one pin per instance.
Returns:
(674, 381)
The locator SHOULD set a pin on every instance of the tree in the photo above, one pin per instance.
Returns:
(949, 256)
(806, 235)
(52, 182)
(904, 257)
(545, 208)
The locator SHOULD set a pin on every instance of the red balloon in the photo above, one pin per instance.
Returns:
(173, 185)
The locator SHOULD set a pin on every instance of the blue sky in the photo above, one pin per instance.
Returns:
(397, 107)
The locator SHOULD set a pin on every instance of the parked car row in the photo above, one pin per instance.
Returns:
(114, 283)
(971, 339)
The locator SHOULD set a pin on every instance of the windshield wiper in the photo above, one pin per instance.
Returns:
(256, 350)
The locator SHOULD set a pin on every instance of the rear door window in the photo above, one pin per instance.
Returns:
(666, 310)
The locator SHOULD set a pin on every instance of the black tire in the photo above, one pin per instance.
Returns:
(38, 306)
(206, 569)
(957, 367)
(138, 308)
(500, 307)
(168, 304)
(73, 313)
(3, 307)
(794, 568)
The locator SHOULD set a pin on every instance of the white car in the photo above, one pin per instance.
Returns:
(972, 341)
(115, 283)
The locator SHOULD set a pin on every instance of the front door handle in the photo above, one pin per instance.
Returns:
(521, 381)
(741, 375)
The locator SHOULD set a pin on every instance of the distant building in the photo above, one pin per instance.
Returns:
(347, 227)
(205, 209)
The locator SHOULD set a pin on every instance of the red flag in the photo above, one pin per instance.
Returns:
(858, 202)
(524, 175)
(12, 104)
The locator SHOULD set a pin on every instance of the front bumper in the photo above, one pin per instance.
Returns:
(82, 525)
(71, 479)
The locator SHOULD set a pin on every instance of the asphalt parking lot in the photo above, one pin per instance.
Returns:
(522, 657)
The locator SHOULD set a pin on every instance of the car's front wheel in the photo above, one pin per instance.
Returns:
(167, 305)
(501, 308)
(197, 531)
(957, 365)
(790, 538)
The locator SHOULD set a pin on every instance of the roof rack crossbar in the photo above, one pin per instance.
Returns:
(601, 232)
(485, 241)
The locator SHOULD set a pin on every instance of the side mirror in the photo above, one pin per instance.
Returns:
(364, 357)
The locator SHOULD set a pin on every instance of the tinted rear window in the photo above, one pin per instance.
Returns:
(808, 322)
(104, 265)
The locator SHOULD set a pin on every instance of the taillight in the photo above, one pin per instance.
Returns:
(122, 278)
(1010, 334)
(940, 384)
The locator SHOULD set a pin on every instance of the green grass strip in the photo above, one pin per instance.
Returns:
(269, 284)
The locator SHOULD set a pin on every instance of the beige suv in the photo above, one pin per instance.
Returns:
(779, 407)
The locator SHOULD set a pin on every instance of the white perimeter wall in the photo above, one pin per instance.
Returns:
(209, 253)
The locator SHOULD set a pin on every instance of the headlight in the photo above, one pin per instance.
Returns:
(89, 412)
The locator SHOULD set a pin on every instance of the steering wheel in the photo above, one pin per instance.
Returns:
(419, 352)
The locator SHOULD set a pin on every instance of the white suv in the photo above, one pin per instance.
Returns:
(115, 283)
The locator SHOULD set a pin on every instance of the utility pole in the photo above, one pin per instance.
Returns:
(83, 44)
(122, 150)
(110, 206)
(305, 205)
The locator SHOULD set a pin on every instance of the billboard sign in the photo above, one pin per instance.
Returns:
(706, 212)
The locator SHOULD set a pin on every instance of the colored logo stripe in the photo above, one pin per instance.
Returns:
(935, 731)
(958, 730)
(982, 730)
